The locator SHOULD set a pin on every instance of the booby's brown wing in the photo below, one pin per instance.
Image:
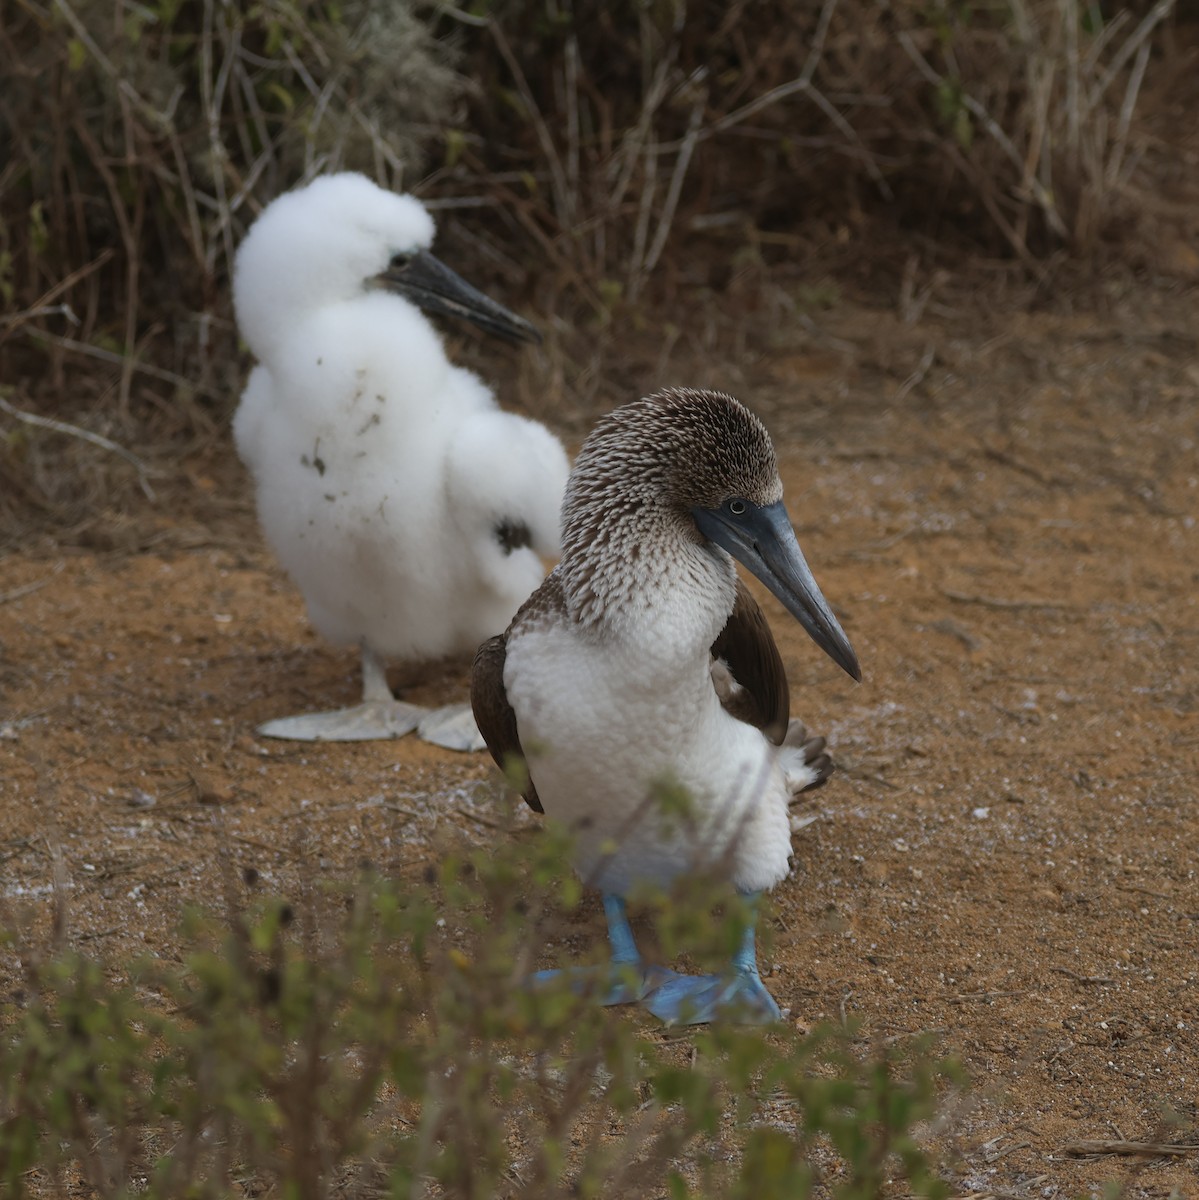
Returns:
(748, 648)
(493, 713)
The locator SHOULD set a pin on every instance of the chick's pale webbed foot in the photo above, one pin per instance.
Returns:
(370, 721)
(452, 727)
(379, 717)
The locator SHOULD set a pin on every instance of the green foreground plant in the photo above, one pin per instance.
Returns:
(380, 1040)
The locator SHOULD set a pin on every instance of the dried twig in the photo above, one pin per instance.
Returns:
(21, 847)
(129, 241)
(486, 821)
(1101, 979)
(1151, 1149)
(996, 1153)
(673, 192)
(649, 186)
(1001, 139)
(85, 435)
(212, 95)
(562, 196)
(991, 1194)
(1132, 44)
(963, 997)
(570, 86)
(44, 304)
(1143, 891)
(1018, 464)
(1116, 160)
(1002, 603)
(29, 588)
(954, 630)
(159, 120)
(110, 356)
(803, 85)
(917, 376)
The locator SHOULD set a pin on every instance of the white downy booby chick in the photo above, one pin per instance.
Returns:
(615, 674)
(410, 510)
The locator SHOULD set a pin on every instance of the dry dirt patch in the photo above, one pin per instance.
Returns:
(1005, 519)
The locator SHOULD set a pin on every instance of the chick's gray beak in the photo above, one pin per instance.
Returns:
(762, 539)
(434, 288)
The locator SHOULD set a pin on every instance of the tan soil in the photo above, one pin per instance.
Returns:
(1002, 510)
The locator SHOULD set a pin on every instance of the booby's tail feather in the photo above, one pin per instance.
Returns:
(805, 760)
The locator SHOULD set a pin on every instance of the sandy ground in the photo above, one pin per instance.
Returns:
(1005, 519)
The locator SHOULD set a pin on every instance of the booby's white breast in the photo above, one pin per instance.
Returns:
(609, 718)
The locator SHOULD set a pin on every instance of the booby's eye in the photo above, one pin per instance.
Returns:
(737, 507)
(399, 261)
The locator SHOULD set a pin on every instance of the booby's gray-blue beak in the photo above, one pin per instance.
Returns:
(762, 539)
(434, 288)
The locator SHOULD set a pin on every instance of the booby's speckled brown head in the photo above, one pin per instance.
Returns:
(663, 486)
(673, 452)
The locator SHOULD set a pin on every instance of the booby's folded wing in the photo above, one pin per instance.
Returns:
(748, 649)
(493, 713)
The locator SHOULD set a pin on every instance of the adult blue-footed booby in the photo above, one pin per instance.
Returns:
(410, 511)
(614, 675)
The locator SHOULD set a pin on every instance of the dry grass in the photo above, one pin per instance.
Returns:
(146, 137)
(672, 146)
(1056, 120)
(614, 164)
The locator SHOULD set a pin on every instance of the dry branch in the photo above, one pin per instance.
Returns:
(1099, 979)
(30, 588)
(1000, 602)
(993, 128)
(1152, 1149)
(85, 435)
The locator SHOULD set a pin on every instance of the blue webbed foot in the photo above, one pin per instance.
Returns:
(697, 999)
(625, 979)
(612, 983)
(737, 995)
